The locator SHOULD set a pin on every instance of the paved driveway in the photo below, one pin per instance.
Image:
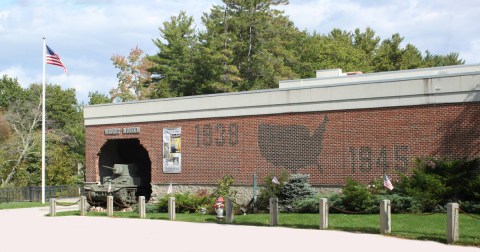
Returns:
(30, 230)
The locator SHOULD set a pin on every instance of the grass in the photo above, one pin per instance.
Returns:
(419, 227)
(12, 205)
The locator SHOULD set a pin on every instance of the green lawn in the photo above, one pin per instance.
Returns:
(420, 227)
(12, 205)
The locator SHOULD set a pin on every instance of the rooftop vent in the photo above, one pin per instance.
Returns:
(336, 72)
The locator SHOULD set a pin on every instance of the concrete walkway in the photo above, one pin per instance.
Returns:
(29, 230)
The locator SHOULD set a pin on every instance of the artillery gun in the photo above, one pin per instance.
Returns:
(123, 185)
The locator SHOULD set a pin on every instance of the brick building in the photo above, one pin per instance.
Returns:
(331, 127)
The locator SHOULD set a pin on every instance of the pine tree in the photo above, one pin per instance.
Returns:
(175, 61)
(253, 42)
(297, 188)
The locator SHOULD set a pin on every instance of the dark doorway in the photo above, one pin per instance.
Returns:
(125, 151)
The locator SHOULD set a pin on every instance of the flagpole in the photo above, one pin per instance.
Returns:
(43, 122)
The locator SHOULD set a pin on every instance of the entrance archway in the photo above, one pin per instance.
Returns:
(127, 151)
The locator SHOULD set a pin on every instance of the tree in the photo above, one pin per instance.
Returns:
(250, 45)
(5, 130)
(24, 117)
(61, 107)
(62, 163)
(255, 40)
(431, 60)
(98, 98)
(337, 49)
(134, 79)
(20, 150)
(10, 90)
(217, 70)
(389, 54)
(175, 61)
(368, 43)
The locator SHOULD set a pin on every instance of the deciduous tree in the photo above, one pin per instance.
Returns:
(24, 117)
(134, 79)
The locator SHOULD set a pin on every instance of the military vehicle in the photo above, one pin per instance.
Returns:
(123, 185)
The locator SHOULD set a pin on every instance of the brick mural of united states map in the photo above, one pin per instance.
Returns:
(291, 146)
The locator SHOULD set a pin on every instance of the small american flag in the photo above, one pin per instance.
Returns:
(275, 180)
(387, 183)
(53, 59)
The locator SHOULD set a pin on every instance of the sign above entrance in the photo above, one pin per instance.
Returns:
(118, 131)
(114, 131)
(132, 130)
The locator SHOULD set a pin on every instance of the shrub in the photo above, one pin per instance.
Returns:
(404, 204)
(188, 203)
(431, 186)
(149, 208)
(224, 187)
(470, 207)
(306, 205)
(434, 183)
(296, 189)
(288, 193)
(270, 190)
(428, 189)
(357, 197)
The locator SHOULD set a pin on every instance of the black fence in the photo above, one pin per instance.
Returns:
(34, 193)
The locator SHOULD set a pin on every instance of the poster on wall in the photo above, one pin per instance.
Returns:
(172, 146)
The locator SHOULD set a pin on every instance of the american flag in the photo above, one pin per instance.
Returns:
(275, 180)
(53, 59)
(387, 183)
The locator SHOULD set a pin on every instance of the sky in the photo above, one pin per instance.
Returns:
(87, 33)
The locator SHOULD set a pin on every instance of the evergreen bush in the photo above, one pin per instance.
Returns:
(436, 182)
(356, 197)
(306, 205)
(296, 189)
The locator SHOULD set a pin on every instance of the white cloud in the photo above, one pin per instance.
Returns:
(3, 16)
(473, 52)
(86, 33)
(83, 84)
(18, 72)
(438, 26)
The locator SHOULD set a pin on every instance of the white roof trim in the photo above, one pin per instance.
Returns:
(455, 84)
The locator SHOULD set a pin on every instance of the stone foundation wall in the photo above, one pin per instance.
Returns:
(244, 193)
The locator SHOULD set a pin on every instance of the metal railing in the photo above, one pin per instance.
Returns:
(34, 193)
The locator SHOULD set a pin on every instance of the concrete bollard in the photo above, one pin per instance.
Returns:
(109, 205)
(385, 217)
(83, 205)
(171, 208)
(229, 209)
(452, 222)
(53, 206)
(323, 208)
(273, 212)
(141, 207)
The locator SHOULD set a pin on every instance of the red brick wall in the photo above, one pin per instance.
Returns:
(330, 146)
